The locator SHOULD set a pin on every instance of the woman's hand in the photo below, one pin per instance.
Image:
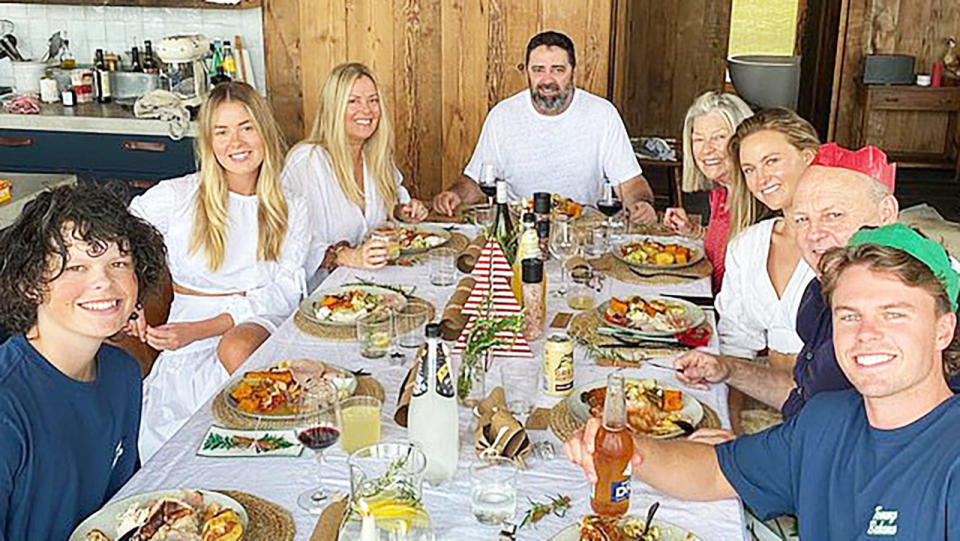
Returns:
(369, 255)
(414, 211)
(137, 325)
(173, 335)
(676, 218)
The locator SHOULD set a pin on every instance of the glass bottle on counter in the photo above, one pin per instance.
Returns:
(101, 78)
(218, 75)
(67, 60)
(433, 422)
(229, 61)
(541, 209)
(135, 64)
(149, 60)
(534, 299)
(614, 448)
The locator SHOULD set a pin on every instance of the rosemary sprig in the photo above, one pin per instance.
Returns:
(370, 283)
(261, 445)
(558, 506)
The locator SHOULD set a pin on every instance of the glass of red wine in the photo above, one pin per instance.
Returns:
(319, 429)
(488, 181)
(610, 205)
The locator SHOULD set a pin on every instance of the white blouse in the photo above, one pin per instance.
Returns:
(332, 217)
(271, 289)
(752, 317)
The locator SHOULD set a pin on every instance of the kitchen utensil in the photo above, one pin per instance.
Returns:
(8, 44)
(652, 511)
(27, 75)
(53, 47)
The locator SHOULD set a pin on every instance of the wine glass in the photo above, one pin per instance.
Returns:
(609, 205)
(488, 181)
(563, 245)
(319, 429)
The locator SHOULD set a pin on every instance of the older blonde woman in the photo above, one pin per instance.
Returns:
(346, 171)
(229, 292)
(707, 165)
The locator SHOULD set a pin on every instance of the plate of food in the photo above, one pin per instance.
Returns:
(628, 528)
(276, 392)
(652, 409)
(559, 205)
(167, 514)
(652, 315)
(343, 306)
(421, 238)
(658, 253)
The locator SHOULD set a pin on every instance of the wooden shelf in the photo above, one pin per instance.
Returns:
(243, 4)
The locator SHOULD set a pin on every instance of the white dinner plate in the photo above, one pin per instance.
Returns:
(307, 310)
(696, 252)
(668, 532)
(580, 410)
(694, 316)
(107, 518)
(429, 229)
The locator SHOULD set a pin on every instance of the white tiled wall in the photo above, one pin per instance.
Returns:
(117, 29)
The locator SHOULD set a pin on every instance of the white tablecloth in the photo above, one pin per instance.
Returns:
(280, 480)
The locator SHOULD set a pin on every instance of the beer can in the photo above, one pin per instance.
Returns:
(558, 364)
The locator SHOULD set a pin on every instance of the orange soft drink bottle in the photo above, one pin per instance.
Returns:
(613, 449)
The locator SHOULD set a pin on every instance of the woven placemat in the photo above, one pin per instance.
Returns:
(230, 418)
(268, 521)
(348, 333)
(457, 242)
(583, 328)
(564, 424)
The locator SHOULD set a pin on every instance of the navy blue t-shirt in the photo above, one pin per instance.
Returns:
(67, 445)
(816, 369)
(846, 480)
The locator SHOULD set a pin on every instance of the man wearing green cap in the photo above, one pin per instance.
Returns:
(878, 461)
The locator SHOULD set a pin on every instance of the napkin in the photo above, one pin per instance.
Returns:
(469, 256)
(328, 525)
(498, 433)
(453, 320)
(406, 392)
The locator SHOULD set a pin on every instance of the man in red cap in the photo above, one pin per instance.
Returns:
(840, 192)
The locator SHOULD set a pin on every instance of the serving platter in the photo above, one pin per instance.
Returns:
(686, 313)
(341, 378)
(620, 251)
(389, 299)
(667, 532)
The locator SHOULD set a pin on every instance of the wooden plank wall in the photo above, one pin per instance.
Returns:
(670, 53)
(893, 26)
(442, 64)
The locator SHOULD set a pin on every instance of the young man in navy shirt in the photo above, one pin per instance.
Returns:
(73, 267)
(842, 192)
(874, 462)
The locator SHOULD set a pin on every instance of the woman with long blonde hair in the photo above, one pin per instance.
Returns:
(346, 172)
(765, 275)
(707, 166)
(236, 250)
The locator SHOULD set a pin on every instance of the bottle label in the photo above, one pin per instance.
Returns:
(620, 489)
(444, 380)
(420, 381)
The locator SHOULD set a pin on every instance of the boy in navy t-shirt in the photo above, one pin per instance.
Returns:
(73, 268)
(878, 462)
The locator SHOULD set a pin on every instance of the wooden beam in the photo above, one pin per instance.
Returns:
(281, 43)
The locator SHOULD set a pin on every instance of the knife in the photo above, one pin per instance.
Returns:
(635, 335)
(644, 344)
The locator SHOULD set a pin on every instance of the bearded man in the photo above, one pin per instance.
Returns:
(554, 137)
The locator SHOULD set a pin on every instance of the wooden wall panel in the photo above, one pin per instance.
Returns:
(442, 64)
(889, 26)
(671, 53)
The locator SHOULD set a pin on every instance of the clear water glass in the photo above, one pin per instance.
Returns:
(563, 244)
(443, 267)
(410, 321)
(493, 490)
(521, 383)
(375, 334)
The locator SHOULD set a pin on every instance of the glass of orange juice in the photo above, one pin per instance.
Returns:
(359, 422)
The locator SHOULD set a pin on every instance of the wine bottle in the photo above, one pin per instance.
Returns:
(502, 224)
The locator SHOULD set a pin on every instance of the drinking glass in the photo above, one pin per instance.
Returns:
(595, 242)
(375, 334)
(610, 205)
(563, 245)
(391, 236)
(488, 181)
(521, 383)
(493, 490)
(410, 321)
(319, 429)
(359, 422)
(443, 266)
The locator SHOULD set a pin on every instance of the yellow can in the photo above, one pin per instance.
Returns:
(558, 364)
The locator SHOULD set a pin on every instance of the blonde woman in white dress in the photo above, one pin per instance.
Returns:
(236, 248)
(346, 172)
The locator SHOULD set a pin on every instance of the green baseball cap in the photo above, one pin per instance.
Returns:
(928, 252)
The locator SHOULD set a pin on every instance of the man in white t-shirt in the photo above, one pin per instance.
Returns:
(554, 138)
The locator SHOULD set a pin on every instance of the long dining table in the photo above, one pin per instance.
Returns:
(281, 479)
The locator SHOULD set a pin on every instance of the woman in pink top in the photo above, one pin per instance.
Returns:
(709, 124)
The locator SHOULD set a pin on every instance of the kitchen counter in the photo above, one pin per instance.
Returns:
(26, 186)
(89, 118)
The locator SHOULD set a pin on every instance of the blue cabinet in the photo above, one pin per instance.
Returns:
(136, 161)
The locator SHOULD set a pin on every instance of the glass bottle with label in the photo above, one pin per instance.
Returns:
(101, 78)
(503, 224)
(528, 247)
(433, 421)
(614, 447)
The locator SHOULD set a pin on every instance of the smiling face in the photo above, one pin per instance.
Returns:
(363, 111)
(550, 78)
(772, 167)
(236, 142)
(708, 140)
(830, 205)
(92, 298)
(888, 342)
